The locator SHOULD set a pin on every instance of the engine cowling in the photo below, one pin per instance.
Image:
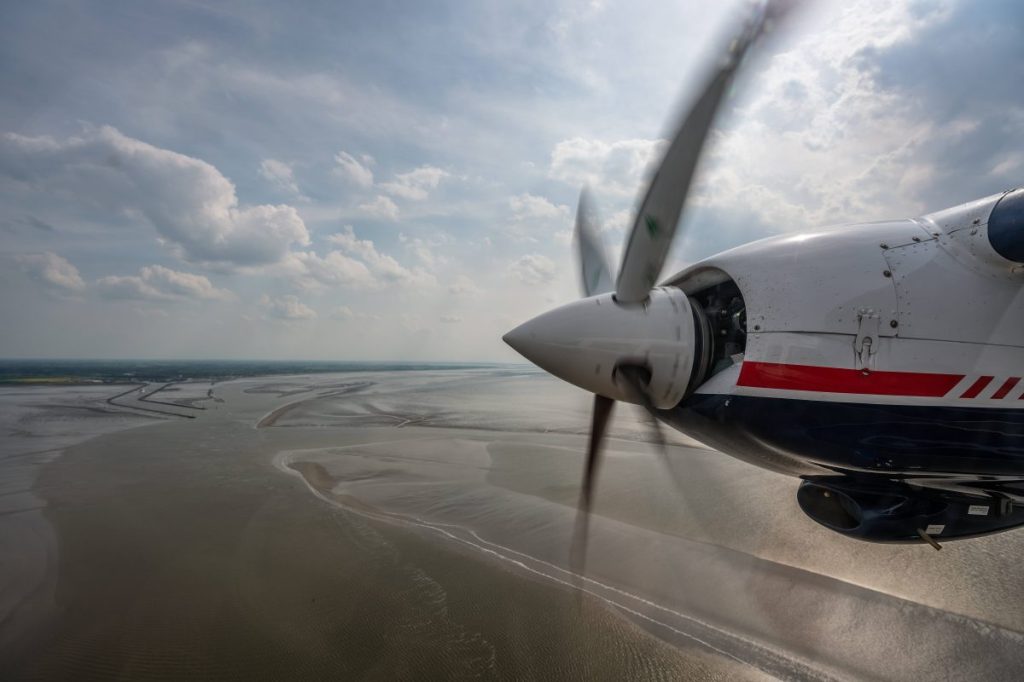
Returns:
(1006, 226)
(896, 512)
(989, 231)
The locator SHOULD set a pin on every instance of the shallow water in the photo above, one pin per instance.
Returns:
(416, 524)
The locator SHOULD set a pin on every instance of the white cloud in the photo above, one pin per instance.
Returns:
(416, 184)
(868, 113)
(53, 270)
(355, 264)
(563, 237)
(158, 283)
(381, 207)
(821, 140)
(617, 167)
(424, 249)
(451, 319)
(619, 222)
(534, 269)
(463, 286)
(280, 174)
(191, 205)
(421, 250)
(308, 270)
(344, 313)
(385, 269)
(1009, 167)
(352, 170)
(286, 307)
(529, 207)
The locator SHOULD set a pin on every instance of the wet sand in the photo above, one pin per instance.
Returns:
(182, 551)
(37, 424)
(416, 525)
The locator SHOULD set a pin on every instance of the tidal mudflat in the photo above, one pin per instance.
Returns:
(416, 524)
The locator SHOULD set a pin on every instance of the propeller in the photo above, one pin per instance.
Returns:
(657, 219)
(647, 247)
(595, 277)
(600, 417)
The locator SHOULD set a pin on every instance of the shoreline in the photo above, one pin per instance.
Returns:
(782, 658)
(679, 630)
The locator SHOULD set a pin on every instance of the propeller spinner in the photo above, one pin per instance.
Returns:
(641, 344)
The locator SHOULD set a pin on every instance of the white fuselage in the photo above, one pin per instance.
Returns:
(925, 296)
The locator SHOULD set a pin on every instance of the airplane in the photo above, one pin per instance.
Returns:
(882, 363)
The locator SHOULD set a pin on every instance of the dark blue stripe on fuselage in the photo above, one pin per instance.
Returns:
(807, 436)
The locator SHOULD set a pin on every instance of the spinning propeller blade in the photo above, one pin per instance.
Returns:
(658, 218)
(600, 418)
(595, 277)
(644, 256)
(635, 378)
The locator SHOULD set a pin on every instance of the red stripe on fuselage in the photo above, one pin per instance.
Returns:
(836, 380)
(1005, 388)
(977, 387)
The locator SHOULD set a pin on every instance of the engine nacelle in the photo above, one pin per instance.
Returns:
(1006, 226)
(899, 513)
(989, 231)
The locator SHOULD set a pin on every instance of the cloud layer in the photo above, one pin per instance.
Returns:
(158, 283)
(189, 203)
(407, 180)
(52, 270)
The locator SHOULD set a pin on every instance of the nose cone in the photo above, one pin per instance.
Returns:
(523, 340)
(580, 343)
(549, 341)
(519, 340)
(584, 342)
(534, 341)
(569, 342)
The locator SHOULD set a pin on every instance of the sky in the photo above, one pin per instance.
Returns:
(398, 180)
